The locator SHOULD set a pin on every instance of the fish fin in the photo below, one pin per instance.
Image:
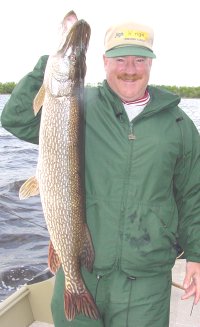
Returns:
(39, 100)
(87, 254)
(53, 259)
(80, 304)
(29, 188)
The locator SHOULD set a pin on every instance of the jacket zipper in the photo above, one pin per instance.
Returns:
(131, 135)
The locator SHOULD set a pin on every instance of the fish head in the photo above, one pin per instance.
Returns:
(68, 66)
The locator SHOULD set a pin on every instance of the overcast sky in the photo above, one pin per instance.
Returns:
(29, 29)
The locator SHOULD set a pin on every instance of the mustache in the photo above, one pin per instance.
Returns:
(129, 77)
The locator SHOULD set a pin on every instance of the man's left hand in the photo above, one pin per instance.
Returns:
(191, 282)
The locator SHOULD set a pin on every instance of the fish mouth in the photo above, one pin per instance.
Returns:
(75, 48)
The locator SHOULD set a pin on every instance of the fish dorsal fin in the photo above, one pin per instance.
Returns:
(39, 100)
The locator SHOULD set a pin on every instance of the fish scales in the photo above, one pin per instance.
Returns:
(66, 187)
(60, 169)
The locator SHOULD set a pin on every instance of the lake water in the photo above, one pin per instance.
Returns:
(23, 235)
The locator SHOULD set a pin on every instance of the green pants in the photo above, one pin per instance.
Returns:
(122, 302)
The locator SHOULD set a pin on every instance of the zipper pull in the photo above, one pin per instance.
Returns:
(131, 136)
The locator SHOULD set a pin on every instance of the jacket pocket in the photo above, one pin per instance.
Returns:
(167, 217)
(149, 238)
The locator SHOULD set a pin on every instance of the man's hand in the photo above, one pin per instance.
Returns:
(191, 282)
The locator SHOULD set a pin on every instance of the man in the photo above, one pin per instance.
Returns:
(142, 184)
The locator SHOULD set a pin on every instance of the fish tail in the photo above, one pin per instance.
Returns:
(80, 304)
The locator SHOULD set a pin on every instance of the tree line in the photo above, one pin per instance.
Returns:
(182, 91)
(7, 88)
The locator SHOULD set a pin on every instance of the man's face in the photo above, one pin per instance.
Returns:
(128, 76)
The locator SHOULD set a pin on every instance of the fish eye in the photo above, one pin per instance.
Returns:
(72, 57)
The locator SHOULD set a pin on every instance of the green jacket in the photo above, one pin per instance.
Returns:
(142, 178)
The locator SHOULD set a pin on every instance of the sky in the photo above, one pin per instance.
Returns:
(29, 30)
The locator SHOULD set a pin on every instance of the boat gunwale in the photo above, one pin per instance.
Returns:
(14, 298)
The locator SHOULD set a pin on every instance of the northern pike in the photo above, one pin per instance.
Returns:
(60, 169)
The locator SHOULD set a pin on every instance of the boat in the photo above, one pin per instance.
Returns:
(30, 305)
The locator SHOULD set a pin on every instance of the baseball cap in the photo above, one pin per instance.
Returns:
(129, 39)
